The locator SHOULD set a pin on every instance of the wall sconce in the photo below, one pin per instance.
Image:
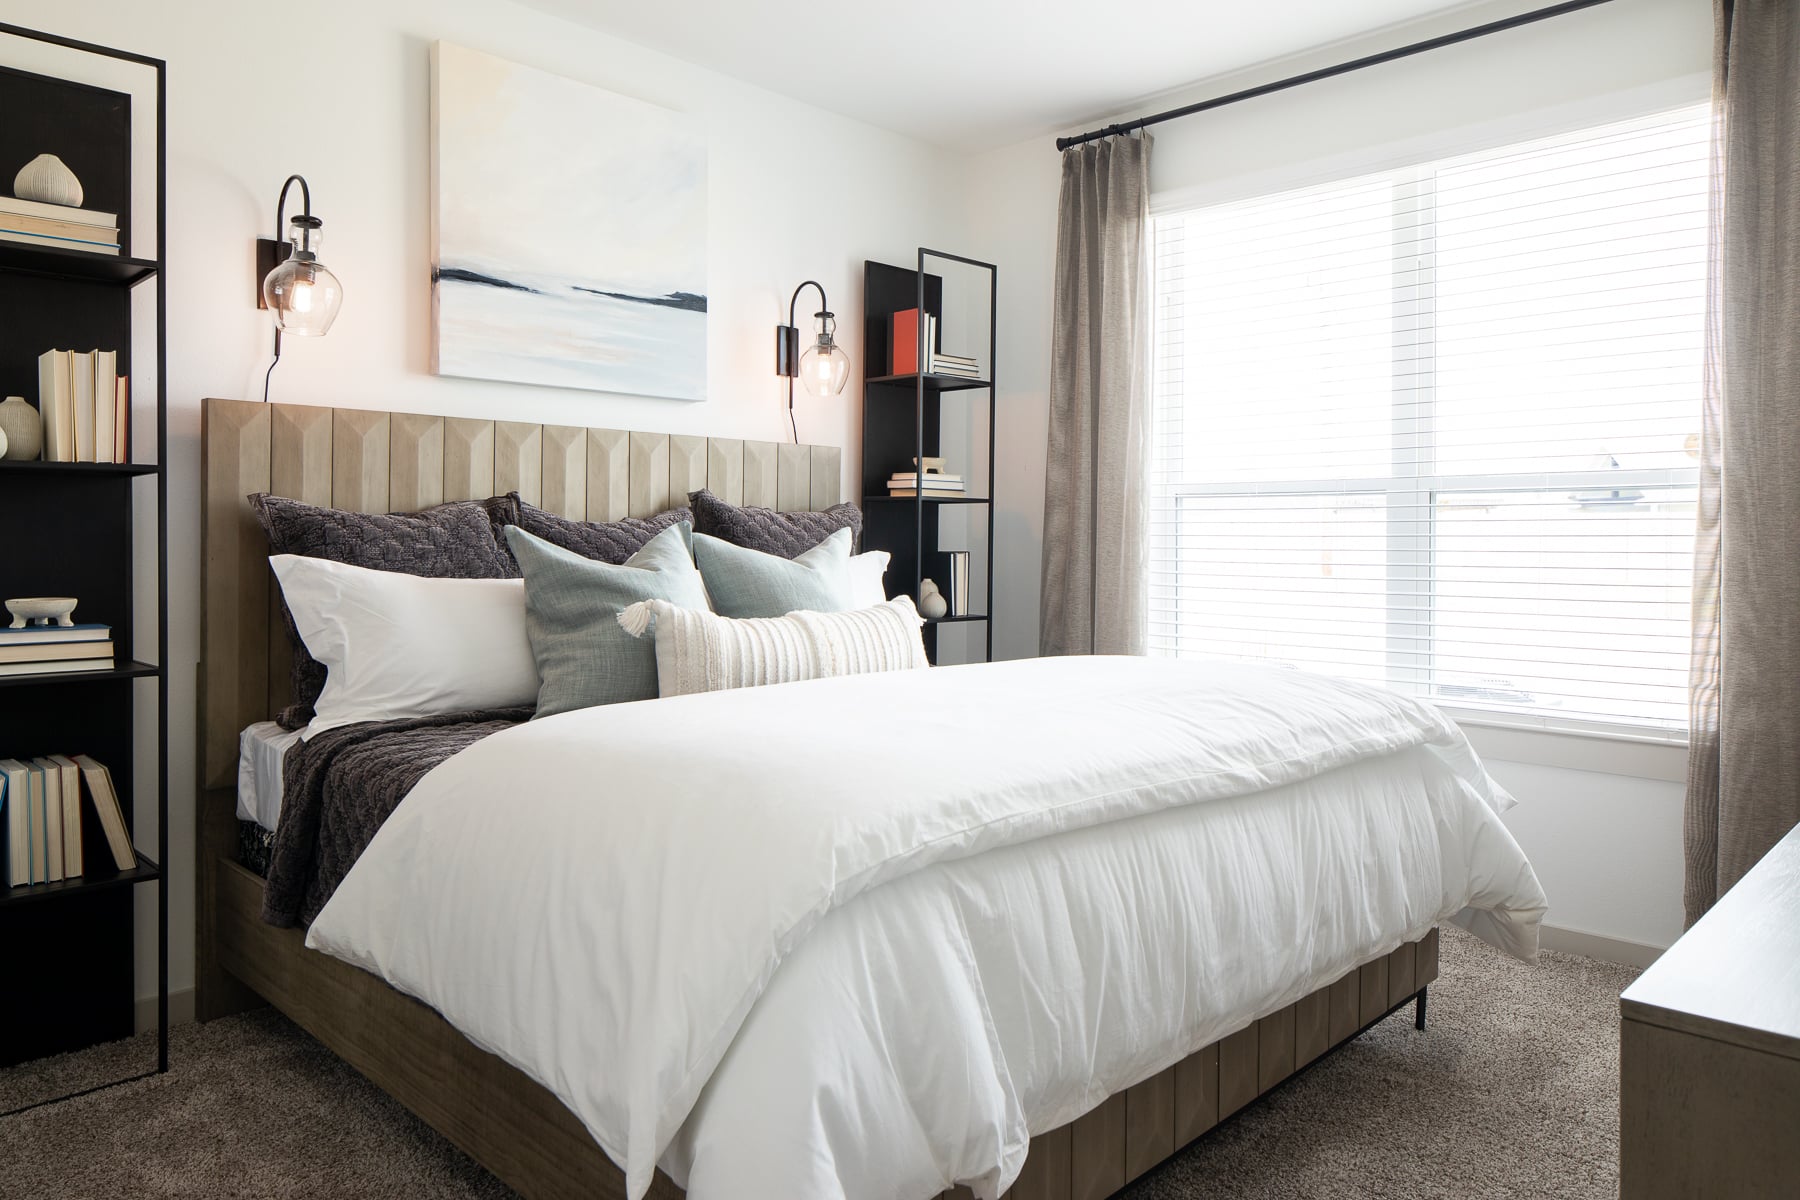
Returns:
(824, 368)
(299, 291)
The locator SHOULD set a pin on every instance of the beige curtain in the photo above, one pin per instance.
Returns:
(1096, 553)
(1744, 756)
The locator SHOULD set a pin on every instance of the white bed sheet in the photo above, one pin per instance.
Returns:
(1015, 889)
(262, 747)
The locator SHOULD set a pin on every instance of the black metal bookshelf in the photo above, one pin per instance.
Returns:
(903, 421)
(69, 947)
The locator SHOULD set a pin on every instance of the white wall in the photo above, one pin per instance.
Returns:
(1630, 55)
(1607, 847)
(338, 92)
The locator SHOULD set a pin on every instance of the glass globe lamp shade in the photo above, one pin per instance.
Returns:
(302, 293)
(824, 368)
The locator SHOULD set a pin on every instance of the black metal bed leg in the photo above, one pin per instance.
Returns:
(1419, 1011)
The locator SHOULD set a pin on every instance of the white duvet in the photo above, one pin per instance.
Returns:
(862, 937)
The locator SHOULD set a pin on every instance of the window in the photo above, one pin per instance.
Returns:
(1437, 428)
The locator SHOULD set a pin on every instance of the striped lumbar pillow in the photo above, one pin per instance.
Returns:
(703, 652)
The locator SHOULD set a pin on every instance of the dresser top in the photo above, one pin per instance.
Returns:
(1735, 976)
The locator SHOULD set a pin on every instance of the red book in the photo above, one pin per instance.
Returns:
(904, 345)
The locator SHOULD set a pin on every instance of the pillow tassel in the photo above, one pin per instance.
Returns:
(636, 619)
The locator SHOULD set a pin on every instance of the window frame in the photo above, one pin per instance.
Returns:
(1412, 485)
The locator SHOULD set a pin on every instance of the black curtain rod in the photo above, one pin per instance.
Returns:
(1373, 60)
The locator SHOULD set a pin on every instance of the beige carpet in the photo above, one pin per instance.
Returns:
(1512, 1092)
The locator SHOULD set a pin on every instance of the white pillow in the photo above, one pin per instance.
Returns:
(698, 651)
(866, 570)
(396, 645)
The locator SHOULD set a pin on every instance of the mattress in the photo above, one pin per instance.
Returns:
(262, 748)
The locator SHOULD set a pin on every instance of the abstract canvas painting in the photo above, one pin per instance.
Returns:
(569, 232)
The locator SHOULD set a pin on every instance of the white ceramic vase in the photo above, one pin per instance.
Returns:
(932, 604)
(22, 429)
(48, 180)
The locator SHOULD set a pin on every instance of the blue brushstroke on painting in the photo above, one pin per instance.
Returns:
(494, 324)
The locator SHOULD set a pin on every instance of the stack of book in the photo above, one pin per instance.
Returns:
(953, 364)
(85, 405)
(48, 649)
(904, 349)
(58, 225)
(40, 817)
(936, 483)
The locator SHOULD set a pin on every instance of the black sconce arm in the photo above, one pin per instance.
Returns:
(787, 337)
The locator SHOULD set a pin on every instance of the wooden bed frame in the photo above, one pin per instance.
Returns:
(381, 462)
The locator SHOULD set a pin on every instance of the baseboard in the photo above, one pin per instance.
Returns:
(181, 1010)
(1595, 945)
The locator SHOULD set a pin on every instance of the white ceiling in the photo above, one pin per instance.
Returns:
(980, 73)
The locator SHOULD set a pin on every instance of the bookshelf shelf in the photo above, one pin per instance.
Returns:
(48, 262)
(129, 670)
(96, 531)
(146, 871)
(79, 470)
(934, 383)
(910, 416)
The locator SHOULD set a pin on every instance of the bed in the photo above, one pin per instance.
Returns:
(1084, 1142)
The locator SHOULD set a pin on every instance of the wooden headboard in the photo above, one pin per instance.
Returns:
(397, 462)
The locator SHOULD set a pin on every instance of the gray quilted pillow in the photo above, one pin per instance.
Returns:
(451, 541)
(602, 541)
(784, 533)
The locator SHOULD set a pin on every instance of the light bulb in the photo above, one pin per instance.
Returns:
(302, 294)
(824, 368)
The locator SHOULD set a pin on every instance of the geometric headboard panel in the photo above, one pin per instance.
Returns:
(398, 462)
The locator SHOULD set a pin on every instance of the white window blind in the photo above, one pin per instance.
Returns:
(1437, 428)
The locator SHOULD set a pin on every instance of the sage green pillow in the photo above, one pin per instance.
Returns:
(572, 607)
(749, 583)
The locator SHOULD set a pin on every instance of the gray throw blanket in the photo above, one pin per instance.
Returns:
(341, 785)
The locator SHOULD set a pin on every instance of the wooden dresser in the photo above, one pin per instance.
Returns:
(1709, 1049)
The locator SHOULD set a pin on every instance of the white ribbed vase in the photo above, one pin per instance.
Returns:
(24, 430)
(48, 180)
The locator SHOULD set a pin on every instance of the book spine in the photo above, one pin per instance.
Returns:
(56, 667)
(34, 827)
(71, 797)
(53, 830)
(39, 239)
(904, 344)
(106, 388)
(81, 377)
(122, 423)
(49, 227)
(12, 838)
(54, 651)
(112, 816)
(53, 392)
(59, 212)
(44, 635)
(65, 405)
